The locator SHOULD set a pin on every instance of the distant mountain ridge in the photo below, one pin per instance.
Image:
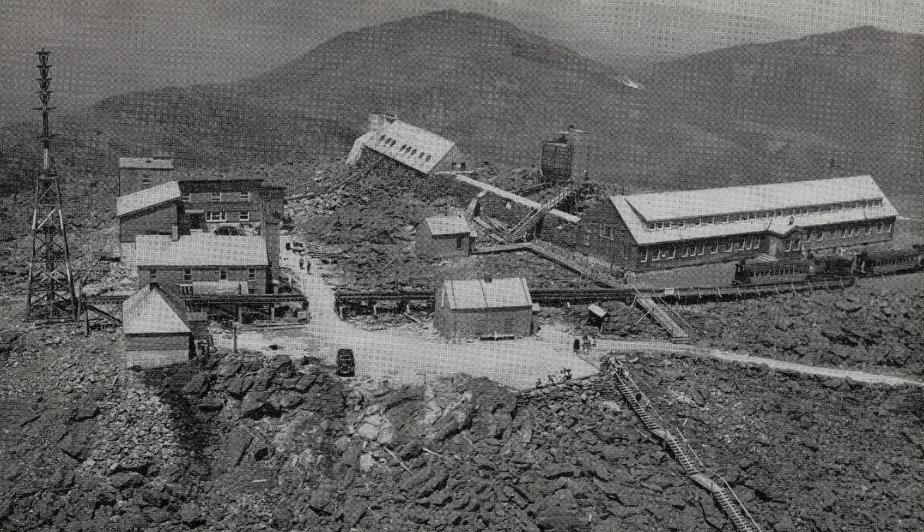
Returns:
(748, 114)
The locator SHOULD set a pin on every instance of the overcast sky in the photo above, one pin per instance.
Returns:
(104, 47)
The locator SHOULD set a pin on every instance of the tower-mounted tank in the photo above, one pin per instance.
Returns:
(566, 156)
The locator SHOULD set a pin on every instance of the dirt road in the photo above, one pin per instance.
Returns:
(741, 358)
(409, 355)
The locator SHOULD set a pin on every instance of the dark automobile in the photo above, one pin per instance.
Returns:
(346, 364)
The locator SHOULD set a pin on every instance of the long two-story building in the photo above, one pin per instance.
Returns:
(661, 230)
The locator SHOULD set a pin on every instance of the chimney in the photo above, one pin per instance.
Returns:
(174, 232)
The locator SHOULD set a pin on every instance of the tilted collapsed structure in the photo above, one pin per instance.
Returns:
(414, 147)
(681, 228)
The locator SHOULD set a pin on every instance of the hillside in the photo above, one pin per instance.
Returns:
(853, 96)
(735, 115)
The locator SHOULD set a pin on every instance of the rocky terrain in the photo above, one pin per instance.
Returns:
(256, 441)
(875, 324)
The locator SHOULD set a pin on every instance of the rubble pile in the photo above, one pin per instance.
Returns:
(863, 326)
(803, 452)
(254, 441)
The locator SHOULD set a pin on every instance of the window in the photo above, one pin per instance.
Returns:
(215, 216)
(715, 248)
(216, 196)
(879, 227)
(889, 228)
(869, 229)
(187, 274)
(185, 197)
(656, 256)
(428, 157)
(251, 273)
(381, 137)
(146, 181)
(680, 223)
(644, 256)
(603, 229)
(686, 251)
(153, 275)
(696, 221)
(701, 249)
(222, 274)
(245, 196)
(727, 247)
(673, 253)
(755, 242)
(244, 216)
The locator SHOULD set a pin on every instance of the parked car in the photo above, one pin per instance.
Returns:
(346, 364)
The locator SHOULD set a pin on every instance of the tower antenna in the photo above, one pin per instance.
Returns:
(51, 295)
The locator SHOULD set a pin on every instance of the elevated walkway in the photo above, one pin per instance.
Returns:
(661, 316)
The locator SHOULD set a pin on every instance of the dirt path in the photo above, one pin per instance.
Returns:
(409, 355)
(739, 358)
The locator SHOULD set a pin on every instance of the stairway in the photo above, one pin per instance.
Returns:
(681, 450)
(520, 230)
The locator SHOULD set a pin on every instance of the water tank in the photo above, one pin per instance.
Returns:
(557, 158)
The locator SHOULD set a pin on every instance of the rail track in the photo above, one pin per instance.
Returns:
(557, 296)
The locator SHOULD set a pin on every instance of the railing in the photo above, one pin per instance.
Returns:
(722, 492)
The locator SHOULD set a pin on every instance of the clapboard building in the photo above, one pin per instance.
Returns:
(414, 147)
(139, 173)
(156, 210)
(669, 229)
(444, 237)
(479, 308)
(156, 328)
(205, 262)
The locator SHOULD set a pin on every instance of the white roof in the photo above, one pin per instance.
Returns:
(447, 225)
(661, 206)
(145, 163)
(422, 151)
(779, 225)
(147, 198)
(204, 249)
(480, 294)
(150, 310)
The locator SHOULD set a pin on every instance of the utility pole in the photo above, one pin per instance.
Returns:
(51, 295)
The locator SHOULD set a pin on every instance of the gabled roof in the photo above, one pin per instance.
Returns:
(145, 163)
(200, 250)
(779, 225)
(661, 206)
(416, 147)
(147, 198)
(447, 225)
(151, 310)
(480, 294)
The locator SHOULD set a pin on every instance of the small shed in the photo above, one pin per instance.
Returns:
(155, 329)
(484, 308)
(444, 237)
(597, 315)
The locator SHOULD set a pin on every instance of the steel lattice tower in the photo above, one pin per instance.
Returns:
(51, 293)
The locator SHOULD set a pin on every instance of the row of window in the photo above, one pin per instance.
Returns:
(222, 216)
(671, 252)
(757, 215)
(410, 150)
(848, 231)
(222, 274)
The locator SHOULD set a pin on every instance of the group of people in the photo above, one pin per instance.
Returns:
(584, 343)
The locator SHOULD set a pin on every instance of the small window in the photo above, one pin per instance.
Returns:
(251, 273)
(403, 146)
(222, 274)
(889, 228)
(644, 256)
(701, 249)
(187, 274)
(153, 274)
(656, 255)
(428, 157)
(216, 196)
(185, 197)
(244, 216)
(245, 196)
(715, 248)
(869, 229)
(215, 216)
(146, 181)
